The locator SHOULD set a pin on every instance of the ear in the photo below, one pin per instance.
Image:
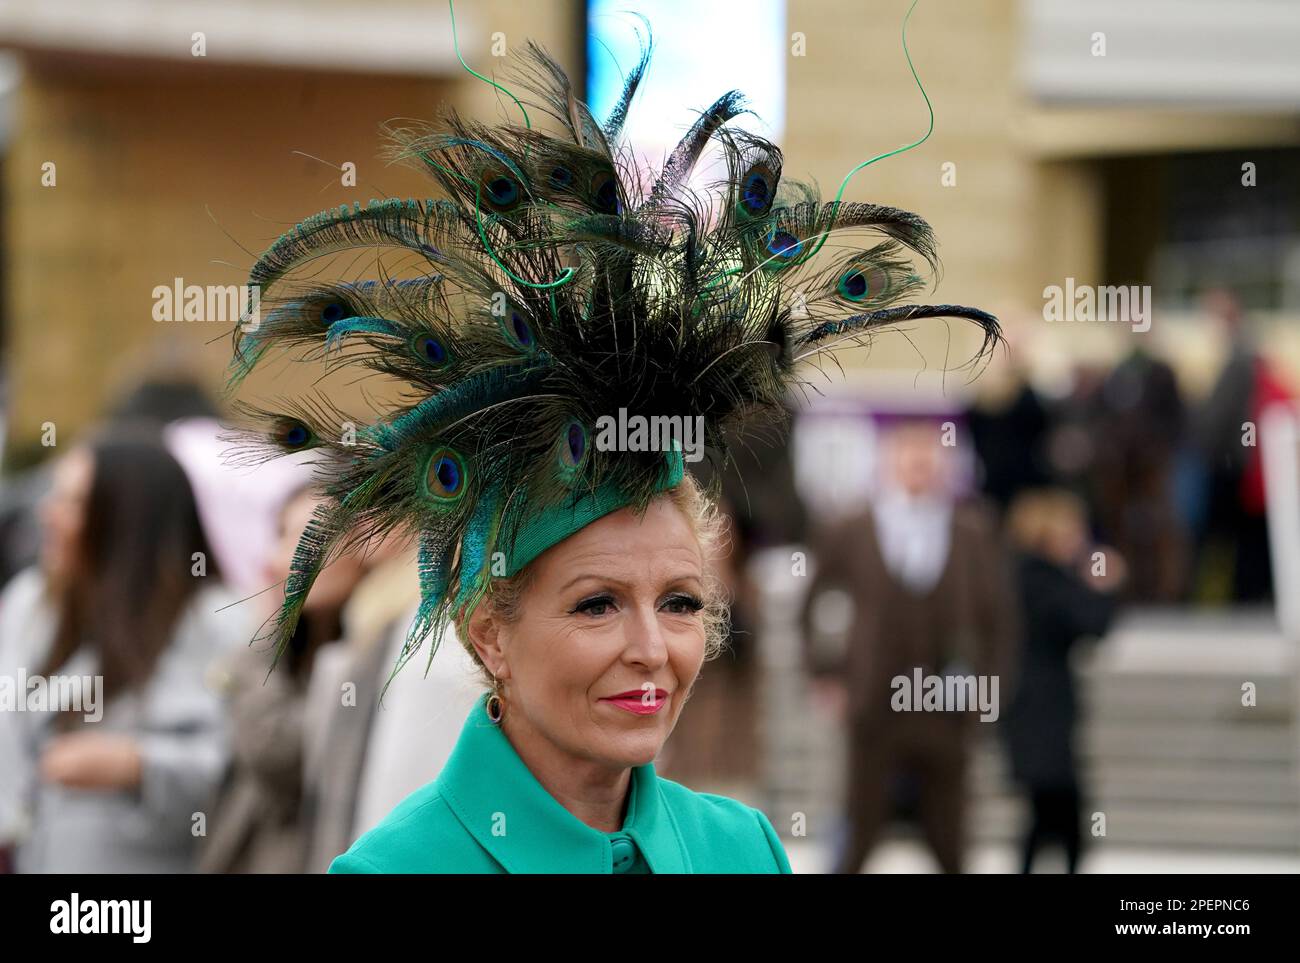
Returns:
(484, 630)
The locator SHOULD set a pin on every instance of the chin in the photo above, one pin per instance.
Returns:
(635, 749)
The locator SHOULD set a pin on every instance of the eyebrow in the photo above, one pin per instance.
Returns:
(574, 581)
(619, 582)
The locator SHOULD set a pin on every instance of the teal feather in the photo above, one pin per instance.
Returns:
(553, 285)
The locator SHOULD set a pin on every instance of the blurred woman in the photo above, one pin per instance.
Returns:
(258, 826)
(1067, 594)
(126, 595)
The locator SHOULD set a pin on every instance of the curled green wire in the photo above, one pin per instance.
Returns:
(569, 272)
(564, 278)
(866, 163)
(456, 46)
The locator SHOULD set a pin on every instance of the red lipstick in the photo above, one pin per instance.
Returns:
(639, 701)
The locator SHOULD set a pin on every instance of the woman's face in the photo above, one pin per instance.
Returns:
(63, 513)
(612, 611)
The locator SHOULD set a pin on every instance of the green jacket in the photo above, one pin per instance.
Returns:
(487, 813)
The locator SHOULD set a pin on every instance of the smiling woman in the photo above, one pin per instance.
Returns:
(557, 286)
(591, 651)
(597, 654)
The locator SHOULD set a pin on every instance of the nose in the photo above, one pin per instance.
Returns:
(644, 644)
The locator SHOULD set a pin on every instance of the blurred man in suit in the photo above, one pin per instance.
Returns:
(929, 580)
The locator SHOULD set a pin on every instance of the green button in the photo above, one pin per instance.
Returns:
(624, 853)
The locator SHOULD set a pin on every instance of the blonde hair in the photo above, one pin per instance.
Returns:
(710, 528)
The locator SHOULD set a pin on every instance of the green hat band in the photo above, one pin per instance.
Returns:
(546, 527)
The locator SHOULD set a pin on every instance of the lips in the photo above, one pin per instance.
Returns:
(634, 701)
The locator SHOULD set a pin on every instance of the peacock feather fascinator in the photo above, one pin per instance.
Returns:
(557, 282)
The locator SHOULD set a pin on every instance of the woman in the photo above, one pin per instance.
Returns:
(126, 594)
(591, 651)
(1067, 594)
(257, 826)
(566, 334)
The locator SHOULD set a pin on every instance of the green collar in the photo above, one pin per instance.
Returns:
(511, 815)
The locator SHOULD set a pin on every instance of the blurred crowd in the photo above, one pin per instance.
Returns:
(137, 556)
(1175, 484)
(149, 561)
(1120, 491)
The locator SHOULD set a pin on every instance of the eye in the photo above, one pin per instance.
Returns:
(683, 604)
(595, 605)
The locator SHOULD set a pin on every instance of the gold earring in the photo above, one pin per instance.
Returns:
(495, 706)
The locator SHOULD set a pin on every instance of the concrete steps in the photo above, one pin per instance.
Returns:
(1169, 753)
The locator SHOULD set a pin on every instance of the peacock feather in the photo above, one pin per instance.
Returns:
(555, 282)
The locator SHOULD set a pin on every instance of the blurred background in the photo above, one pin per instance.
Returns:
(1107, 518)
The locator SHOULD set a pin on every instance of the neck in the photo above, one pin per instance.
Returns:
(591, 791)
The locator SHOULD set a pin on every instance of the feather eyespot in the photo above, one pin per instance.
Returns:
(573, 448)
(604, 192)
(292, 434)
(783, 246)
(444, 478)
(501, 191)
(332, 311)
(430, 349)
(862, 283)
(561, 178)
(518, 330)
(853, 285)
(756, 190)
